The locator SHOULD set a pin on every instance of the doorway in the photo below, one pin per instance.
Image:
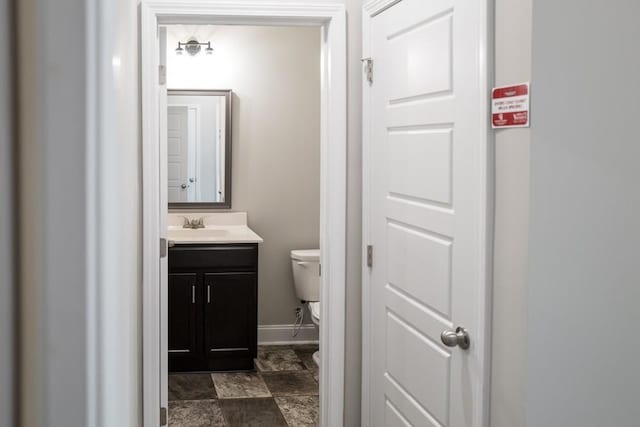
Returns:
(331, 20)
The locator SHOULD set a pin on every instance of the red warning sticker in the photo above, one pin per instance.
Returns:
(510, 106)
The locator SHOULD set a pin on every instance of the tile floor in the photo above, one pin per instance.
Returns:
(282, 392)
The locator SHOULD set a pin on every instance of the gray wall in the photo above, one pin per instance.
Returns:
(52, 152)
(7, 210)
(274, 73)
(79, 165)
(276, 157)
(512, 65)
(585, 225)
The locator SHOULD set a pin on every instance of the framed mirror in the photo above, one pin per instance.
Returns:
(199, 149)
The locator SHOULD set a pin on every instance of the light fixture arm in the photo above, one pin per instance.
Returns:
(193, 47)
(180, 44)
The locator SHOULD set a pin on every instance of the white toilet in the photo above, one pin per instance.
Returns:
(306, 277)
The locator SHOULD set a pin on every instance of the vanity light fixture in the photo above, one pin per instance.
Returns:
(193, 47)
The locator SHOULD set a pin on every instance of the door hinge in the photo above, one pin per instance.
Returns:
(368, 69)
(162, 75)
(163, 247)
(369, 255)
(163, 416)
(319, 269)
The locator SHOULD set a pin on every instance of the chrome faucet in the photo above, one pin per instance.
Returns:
(193, 223)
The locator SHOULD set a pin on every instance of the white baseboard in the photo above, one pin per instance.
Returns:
(281, 334)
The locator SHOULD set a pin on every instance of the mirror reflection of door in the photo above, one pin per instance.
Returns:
(197, 146)
(177, 153)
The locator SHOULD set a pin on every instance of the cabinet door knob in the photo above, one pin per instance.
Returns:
(193, 294)
(208, 294)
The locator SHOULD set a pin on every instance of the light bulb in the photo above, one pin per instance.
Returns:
(179, 51)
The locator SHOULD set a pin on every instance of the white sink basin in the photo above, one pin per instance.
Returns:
(201, 233)
(219, 228)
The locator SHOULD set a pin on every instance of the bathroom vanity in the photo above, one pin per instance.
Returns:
(213, 295)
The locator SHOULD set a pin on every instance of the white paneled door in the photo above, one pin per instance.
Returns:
(426, 126)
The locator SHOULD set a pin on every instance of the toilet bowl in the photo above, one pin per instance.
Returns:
(306, 278)
(314, 310)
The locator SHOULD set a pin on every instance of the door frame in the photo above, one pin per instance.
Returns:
(370, 9)
(332, 20)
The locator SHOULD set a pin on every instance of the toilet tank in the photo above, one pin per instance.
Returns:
(306, 273)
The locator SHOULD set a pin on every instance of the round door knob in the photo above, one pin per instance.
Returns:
(459, 338)
(183, 186)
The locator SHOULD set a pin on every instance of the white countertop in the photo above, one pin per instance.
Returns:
(224, 227)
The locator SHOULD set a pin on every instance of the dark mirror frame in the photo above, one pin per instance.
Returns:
(228, 94)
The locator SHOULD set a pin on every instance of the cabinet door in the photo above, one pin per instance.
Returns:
(231, 324)
(184, 330)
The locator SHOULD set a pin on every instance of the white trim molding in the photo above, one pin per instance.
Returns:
(366, 233)
(281, 334)
(374, 7)
(332, 20)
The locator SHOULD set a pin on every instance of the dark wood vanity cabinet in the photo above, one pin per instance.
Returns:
(213, 305)
(184, 319)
